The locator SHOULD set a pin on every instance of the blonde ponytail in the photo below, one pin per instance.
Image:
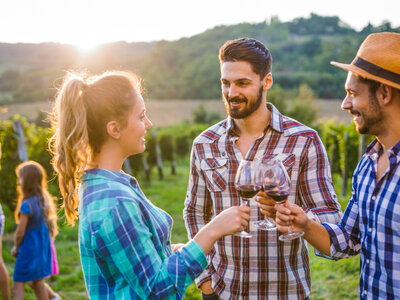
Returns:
(70, 142)
(81, 112)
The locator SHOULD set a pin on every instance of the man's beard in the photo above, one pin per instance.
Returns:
(373, 118)
(237, 113)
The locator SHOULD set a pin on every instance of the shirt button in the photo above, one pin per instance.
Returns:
(367, 261)
(373, 197)
(369, 229)
(365, 292)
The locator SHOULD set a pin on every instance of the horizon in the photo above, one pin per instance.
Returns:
(171, 40)
(88, 24)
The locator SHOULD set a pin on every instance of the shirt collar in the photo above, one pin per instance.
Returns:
(104, 174)
(275, 121)
(395, 150)
(374, 150)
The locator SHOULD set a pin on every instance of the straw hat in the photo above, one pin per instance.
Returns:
(378, 59)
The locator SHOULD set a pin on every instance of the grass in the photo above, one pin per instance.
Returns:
(330, 280)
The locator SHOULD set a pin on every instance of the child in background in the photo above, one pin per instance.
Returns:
(35, 206)
(4, 281)
(53, 230)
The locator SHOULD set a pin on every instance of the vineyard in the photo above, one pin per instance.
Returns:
(163, 170)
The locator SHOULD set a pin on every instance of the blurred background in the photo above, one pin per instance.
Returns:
(173, 46)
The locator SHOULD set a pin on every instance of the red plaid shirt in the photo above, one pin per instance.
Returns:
(260, 267)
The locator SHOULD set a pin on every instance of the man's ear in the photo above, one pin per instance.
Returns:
(267, 81)
(385, 93)
(114, 129)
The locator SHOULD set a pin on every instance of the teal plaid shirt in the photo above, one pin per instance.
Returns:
(125, 244)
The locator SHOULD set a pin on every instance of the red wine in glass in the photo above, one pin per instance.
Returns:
(277, 195)
(277, 186)
(247, 186)
(248, 191)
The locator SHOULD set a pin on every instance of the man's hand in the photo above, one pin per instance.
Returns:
(266, 205)
(290, 215)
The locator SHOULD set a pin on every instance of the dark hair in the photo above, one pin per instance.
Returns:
(373, 85)
(250, 50)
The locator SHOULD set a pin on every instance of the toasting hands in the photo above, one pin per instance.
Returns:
(290, 217)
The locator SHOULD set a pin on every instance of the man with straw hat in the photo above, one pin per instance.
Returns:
(371, 223)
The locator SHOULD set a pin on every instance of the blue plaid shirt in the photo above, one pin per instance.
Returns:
(125, 242)
(371, 225)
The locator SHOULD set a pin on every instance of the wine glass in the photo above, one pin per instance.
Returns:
(267, 223)
(277, 187)
(247, 186)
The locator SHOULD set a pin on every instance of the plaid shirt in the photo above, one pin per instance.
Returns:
(260, 267)
(371, 225)
(125, 242)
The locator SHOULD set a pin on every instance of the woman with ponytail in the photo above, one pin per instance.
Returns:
(124, 239)
(35, 208)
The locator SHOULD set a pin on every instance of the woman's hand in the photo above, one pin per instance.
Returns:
(176, 247)
(231, 220)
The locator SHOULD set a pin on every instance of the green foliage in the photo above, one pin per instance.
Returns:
(298, 104)
(201, 115)
(167, 146)
(36, 140)
(343, 153)
(318, 25)
(136, 162)
(151, 140)
(9, 161)
(303, 107)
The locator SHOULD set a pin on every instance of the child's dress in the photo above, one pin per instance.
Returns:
(34, 254)
(54, 262)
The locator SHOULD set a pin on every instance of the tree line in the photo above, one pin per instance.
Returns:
(188, 68)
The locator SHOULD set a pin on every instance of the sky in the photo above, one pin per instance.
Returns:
(87, 23)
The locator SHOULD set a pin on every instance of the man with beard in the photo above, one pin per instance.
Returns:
(261, 266)
(371, 223)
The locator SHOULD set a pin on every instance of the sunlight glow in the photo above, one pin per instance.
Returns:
(86, 45)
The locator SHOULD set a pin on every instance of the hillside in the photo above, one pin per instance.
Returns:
(188, 68)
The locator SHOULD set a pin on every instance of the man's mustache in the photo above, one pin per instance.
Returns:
(236, 99)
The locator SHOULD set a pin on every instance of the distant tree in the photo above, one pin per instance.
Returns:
(312, 46)
(304, 108)
(201, 115)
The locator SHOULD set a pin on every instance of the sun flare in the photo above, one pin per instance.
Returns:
(86, 46)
